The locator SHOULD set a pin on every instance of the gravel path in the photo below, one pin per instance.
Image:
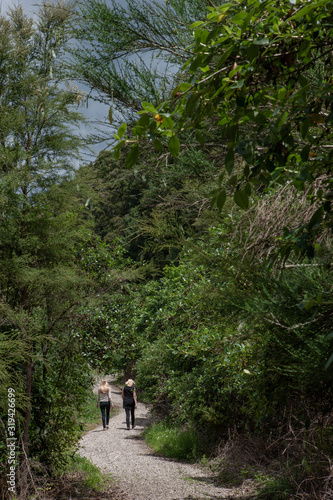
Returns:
(138, 472)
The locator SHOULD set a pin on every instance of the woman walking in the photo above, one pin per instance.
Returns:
(105, 401)
(129, 402)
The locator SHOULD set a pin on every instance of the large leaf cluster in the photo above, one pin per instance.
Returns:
(127, 52)
(261, 73)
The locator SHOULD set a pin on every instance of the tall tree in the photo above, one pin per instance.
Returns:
(39, 278)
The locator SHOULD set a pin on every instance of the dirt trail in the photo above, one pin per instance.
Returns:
(138, 472)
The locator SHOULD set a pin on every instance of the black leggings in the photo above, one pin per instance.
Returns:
(105, 409)
(130, 410)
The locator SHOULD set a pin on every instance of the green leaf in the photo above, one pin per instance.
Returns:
(242, 199)
(305, 152)
(121, 130)
(191, 103)
(303, 175)
(237, 85)
(174, 145)
(139, 130)
(319, 250)
(247, 189)
(253, 51)
(110, 116)
(143, 121)
(157, 145)
(304, 128)
(229, 160)
(329, 362)
(196, 63)
(221, 177)
(298, 184)
(132, 156)
(185, 86)
(308, 7)
(316, 218)
(117, 148)
(167, 122)
(239, 18)
(196, 24)
(303, 81)
(281, 120)
(116, 153)
(246, 22)
(220, 200)
(149, 107)
(282, 93)
(224, 57)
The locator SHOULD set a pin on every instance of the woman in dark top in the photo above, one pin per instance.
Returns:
(129, 402)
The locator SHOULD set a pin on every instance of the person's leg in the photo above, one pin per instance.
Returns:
(133, 416)
(127, 411)
(102, 407)
(107, 410)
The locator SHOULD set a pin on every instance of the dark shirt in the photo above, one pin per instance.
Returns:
(128, 396)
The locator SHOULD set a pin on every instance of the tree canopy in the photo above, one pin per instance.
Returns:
(260, 76)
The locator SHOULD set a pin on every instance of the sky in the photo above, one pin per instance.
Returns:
(29, 6)
(95, 112)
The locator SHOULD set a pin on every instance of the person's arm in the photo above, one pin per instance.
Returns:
(97, 398)
(110, 398)
(135, 399)
(122, 393)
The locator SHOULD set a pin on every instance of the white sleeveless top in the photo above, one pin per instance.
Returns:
(105, 397)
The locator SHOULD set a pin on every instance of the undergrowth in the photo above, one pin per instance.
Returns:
(173, 442)
(296, 465)
(78, 478)
(92, 477)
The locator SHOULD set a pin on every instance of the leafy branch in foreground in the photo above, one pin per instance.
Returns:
(130, 49)
(260, 75)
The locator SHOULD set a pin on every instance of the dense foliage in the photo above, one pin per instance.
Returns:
(261, 74)
(195, 256)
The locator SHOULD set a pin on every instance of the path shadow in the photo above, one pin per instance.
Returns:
(134, 437)
(142, 421)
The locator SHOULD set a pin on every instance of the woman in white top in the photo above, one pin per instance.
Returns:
(105, 402)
